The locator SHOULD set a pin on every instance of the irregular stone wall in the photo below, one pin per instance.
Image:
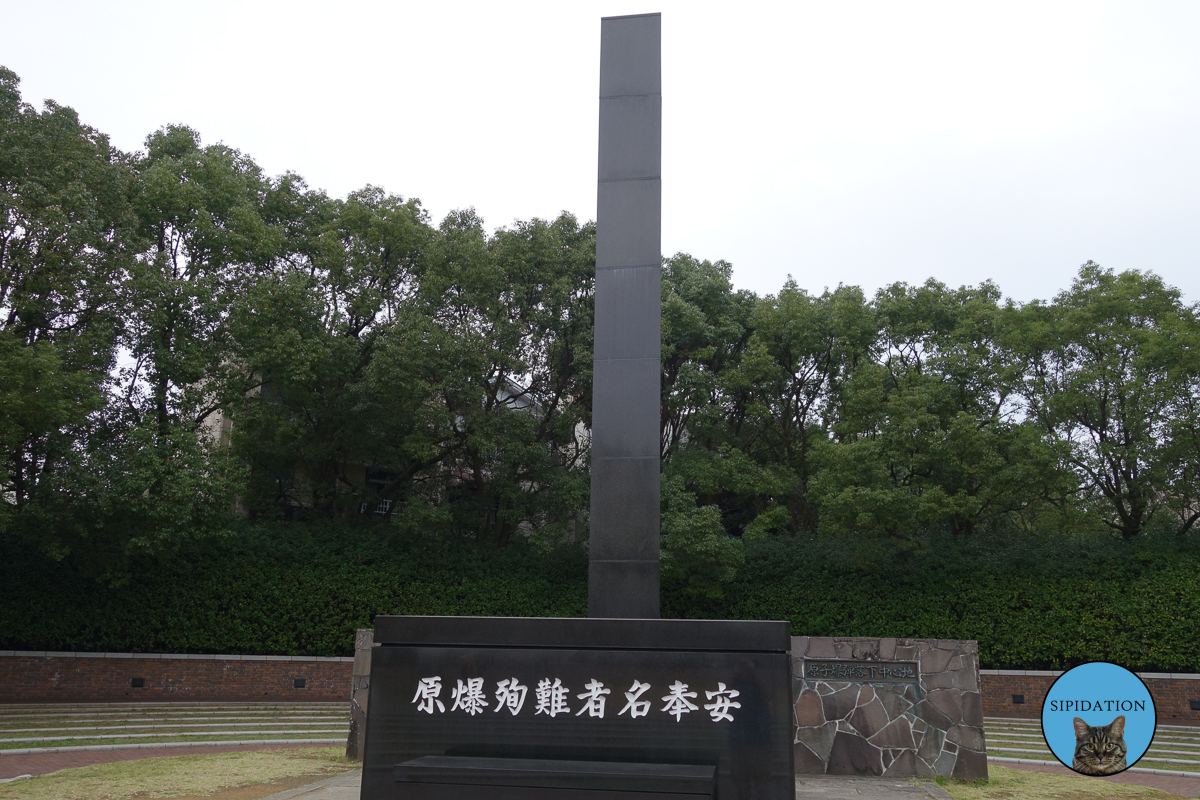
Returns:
(888, 707)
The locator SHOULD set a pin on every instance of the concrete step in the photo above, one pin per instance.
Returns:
(47, 728)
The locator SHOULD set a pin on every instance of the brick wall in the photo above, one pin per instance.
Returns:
(109, 678)
(1172, 693)
(106, 678)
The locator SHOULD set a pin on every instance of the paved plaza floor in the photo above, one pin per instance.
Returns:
(825, 787)
(858, 787)
(808, 787)
(343, 787)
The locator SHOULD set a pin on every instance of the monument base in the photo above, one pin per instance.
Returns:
(890, 707)
(608, 692)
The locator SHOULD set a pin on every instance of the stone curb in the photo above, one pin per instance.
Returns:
(24, 751)
(935, 791)
(1174, 773)
(169, 656)
(312, 787)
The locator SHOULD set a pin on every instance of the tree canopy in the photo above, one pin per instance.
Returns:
(185, 340)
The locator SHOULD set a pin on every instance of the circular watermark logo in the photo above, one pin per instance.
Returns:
(1098, 718)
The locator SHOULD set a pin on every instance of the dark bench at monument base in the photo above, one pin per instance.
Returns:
(454, 777)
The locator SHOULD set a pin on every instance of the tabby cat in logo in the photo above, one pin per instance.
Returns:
(1100, 749)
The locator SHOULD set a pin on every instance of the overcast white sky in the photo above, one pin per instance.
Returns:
(839, 142)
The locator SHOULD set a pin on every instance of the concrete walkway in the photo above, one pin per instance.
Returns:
(343, 787)
(825, 787)
(859, 787)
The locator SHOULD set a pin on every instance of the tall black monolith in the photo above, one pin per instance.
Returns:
(624, 524)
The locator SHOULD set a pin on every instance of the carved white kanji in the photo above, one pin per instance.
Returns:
(719, 709)
(428, 690)
(635, 707)
(469, 696)
(595, 699)
(510, 695)
(677, 700)
(551, 697)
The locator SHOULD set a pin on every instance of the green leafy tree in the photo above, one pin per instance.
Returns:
(1111, 369)
(438, 375)
(65, 226)
(507, 320)
(927, 433)
(303, 339)
(203, 243)
(802, 350)
(708, 482)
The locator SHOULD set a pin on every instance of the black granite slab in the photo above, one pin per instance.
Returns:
(749, 745)
(584, 634)
(611, 776)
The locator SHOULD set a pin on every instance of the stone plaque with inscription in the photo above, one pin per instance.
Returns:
(888, 707)
(869, 671)
(604, 691)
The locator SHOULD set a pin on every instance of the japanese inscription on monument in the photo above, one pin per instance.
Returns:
(865, 671)
(553, 698)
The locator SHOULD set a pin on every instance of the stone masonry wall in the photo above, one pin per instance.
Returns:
(887, 707)
(108, 678)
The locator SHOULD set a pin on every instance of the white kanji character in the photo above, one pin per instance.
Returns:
(428, 690)
(636, 708)
(510, 695)
(595, 699)
(551, 697)
(719, 710)
(469, 696)
(677, 703)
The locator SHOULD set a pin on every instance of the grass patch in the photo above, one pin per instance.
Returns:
(1004, 783)
(181, 776)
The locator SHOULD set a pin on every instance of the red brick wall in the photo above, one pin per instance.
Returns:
(97, 679)
(1171, 696)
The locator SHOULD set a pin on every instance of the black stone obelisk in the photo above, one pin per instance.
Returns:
(623, 573)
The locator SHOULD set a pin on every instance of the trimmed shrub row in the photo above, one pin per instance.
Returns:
(294, 589)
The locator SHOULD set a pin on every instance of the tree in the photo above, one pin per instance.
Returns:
(1111, 372)
(203, 242)
(65, 231)
(440, 374)
(802, 350)
(506, 326)
(307, 418)
(708, 483)
(926, 434)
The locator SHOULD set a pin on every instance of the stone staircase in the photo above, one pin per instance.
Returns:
(55, 728)
(1174, 751)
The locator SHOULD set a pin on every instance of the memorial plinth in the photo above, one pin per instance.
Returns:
(600, 708)
(892, 707)
(607, 692)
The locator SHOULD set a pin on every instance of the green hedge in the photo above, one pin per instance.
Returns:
(1031, 601)
(285, 589)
